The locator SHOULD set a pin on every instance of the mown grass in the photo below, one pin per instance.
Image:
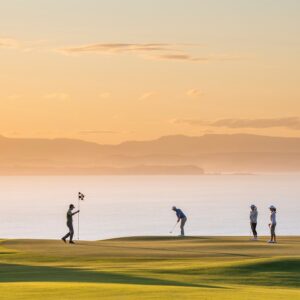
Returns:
(150, 268)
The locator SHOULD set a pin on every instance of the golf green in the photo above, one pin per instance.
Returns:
(151, 268)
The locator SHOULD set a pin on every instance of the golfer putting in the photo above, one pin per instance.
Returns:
(181, 217)
(70, 215)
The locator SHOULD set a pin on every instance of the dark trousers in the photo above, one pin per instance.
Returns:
(272, 228)
(182, 223)
(70, 233)
(253, 227)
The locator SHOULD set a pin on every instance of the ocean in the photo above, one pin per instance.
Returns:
(119, 206)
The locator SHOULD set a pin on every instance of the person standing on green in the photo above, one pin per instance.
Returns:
(253, 221)
(273, 224)
(70, 215)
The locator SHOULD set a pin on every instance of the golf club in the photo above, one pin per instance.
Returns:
(174, 227)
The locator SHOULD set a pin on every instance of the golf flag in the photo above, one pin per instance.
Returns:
(80, 196)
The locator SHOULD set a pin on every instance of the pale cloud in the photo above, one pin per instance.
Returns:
(115, 48)
(196, 59)
(194, 93)
(146, 95)
(57, 96)
(263, 123)
(8, 43)
(154, 51)
(178, 57)
(291, 123)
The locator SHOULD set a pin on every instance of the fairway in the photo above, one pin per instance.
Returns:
(151, 268)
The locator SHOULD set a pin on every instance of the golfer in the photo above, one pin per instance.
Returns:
(181, 218)
(70, 215)
(273, 224)
(253, 221)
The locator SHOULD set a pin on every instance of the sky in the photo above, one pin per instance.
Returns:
(115, 70)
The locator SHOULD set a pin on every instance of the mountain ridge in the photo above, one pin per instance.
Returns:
(211, 152)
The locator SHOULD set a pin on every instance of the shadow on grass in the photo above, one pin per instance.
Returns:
(279, 272)
(195, 252)
(24, 273)
(283, 272)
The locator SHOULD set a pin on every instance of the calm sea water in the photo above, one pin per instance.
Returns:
(116, 206)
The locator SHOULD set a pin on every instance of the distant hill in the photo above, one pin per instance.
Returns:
(211, 143)
(176, 154)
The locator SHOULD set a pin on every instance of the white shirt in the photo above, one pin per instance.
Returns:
(253, 216)
(273, 217)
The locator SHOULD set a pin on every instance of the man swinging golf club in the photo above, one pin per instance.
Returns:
(70, 215)
(181, 218)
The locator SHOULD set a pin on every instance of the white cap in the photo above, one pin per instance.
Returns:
(272, 207)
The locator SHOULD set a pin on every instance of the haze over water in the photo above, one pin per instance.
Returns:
(115, 206)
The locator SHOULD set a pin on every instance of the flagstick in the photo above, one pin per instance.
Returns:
(78, 217)
(80, 198)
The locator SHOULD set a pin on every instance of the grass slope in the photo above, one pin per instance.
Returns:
(150, 268)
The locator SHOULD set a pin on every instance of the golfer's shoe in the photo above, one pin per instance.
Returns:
(64, 240)
(71, 242)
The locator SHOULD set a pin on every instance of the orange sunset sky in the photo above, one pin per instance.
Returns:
(109, 71)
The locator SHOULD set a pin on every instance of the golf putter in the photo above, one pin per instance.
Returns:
(173, 228)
